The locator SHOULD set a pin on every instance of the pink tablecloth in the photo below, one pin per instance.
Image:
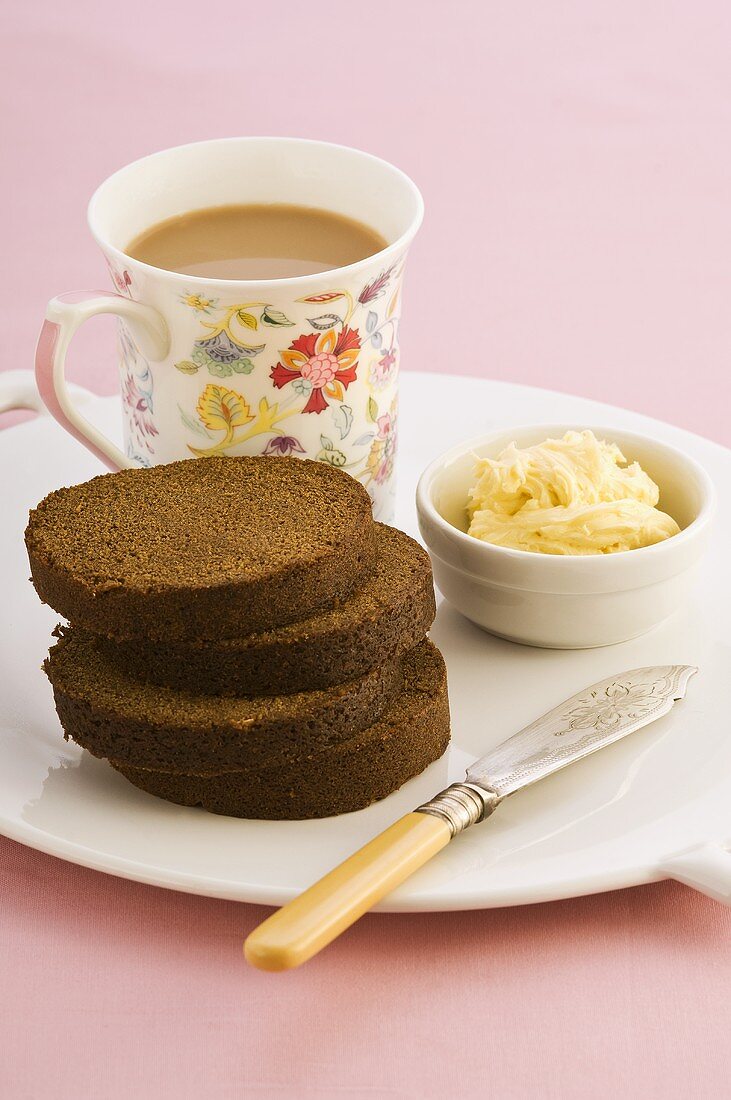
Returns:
(576, 165)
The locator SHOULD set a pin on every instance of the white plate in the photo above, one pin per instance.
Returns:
(617, 819)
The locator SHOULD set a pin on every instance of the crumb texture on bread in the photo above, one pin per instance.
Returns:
(205, 548)
(242, 636)
(308, 771)
(111, 713)
(387, 615)
(410, 735)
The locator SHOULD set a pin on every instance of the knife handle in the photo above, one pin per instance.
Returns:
(311, 921)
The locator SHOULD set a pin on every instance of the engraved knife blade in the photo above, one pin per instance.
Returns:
(588, 721)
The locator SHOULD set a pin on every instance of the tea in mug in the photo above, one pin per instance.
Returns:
(255, 241)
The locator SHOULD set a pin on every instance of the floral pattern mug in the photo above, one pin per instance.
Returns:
(304, 366)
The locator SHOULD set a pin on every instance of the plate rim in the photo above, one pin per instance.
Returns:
(630, 874)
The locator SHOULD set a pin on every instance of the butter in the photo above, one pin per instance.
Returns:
(575, 495)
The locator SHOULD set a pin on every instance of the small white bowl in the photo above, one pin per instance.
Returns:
(556, 601)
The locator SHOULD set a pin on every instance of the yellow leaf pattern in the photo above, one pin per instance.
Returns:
(247, 319)
(267, 415)
(222, 410)
(393, 303)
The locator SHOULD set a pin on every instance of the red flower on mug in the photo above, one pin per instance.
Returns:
(326, 361)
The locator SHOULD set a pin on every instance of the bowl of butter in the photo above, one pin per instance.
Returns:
(565, 536)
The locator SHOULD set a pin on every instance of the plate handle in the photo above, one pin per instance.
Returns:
(706, 867)
(18, 390)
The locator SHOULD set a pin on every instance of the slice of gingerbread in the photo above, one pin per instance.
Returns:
(113, 714)
(388, 615)
(207, 548)
(411, 733)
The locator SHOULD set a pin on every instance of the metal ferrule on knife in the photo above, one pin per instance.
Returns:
(588, 721)
(461, 805)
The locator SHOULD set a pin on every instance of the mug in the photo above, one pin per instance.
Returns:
(304, 366)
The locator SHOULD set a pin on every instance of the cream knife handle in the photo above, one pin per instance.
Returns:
(311, 921)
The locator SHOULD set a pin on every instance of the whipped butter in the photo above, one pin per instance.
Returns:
(575, 495)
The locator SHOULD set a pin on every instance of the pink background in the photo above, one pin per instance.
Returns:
(576, 166)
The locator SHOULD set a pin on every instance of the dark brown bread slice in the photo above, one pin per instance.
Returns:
(390, 614)
(206, 548)
(410, 735)
(110, 713)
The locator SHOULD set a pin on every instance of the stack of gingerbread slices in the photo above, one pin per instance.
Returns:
(241, 635)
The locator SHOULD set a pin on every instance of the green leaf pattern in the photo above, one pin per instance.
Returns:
(223, 351)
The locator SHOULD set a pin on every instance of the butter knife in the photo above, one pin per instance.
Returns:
(588, 721)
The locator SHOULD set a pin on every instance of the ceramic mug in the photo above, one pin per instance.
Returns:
(304, 366)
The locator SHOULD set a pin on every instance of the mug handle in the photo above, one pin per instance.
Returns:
(64, 316)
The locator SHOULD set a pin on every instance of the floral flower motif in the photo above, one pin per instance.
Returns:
(136, 397)
(618, 703)
(199, 303)
(283, 445)
(223, 355)
(382, 455)
(220, 347)
(122, 280)
(381, 371)
(375, 289)
(138, 403)
(328, 361)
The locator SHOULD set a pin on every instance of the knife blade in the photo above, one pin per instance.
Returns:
(587, 722)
